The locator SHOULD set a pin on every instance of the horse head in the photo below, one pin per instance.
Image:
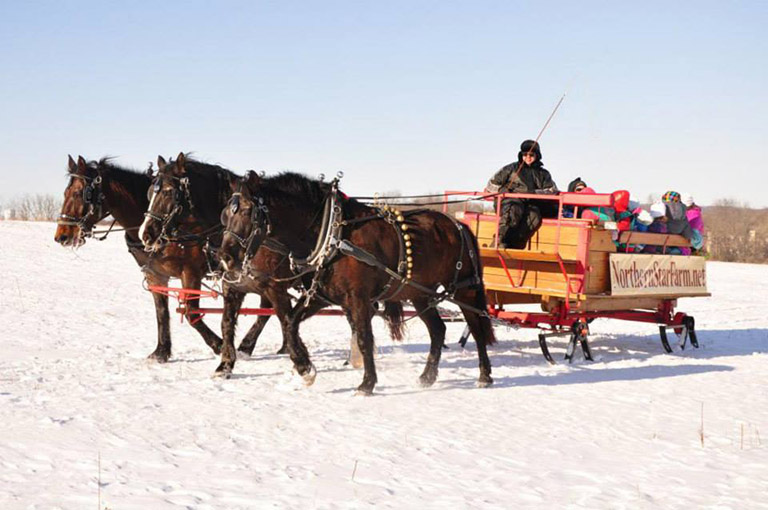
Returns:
(82, 206)
(169, 198)
(246, 223)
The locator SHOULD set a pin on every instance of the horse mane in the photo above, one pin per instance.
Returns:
(133, 183)
(292, 184)
(296, 187)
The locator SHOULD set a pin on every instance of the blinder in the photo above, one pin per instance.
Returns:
(88, 193)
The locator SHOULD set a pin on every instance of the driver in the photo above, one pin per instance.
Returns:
(520, 217)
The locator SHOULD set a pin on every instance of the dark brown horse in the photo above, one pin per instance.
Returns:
(100, 188)
(264, 267)
(362, 256)
(186, 203)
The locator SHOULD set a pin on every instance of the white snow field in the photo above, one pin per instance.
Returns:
(87, 422)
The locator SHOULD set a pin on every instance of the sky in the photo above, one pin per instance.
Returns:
(402, 96)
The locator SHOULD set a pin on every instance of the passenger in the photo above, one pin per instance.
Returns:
(658, 226)
(677, 221)
(693, 213)
(639, 221)
(520, 218)
(575, 186)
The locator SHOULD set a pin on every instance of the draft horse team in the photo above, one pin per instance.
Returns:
(270, 234)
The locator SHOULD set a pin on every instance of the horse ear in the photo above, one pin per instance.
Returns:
(181, 161)
(252, 179)
(149, 170)
(161, 163)
(81, 164)
(72, 165)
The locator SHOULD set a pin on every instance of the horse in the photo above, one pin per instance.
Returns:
(361, 256)
(187, 198)
(97, 189)
(267, 269)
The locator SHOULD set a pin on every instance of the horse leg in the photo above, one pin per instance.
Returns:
(190, 281)
(290, 319)
(163, 350)
(436, 328)
(360, 321)
(232, 301)
(481, 329)
(249, 340)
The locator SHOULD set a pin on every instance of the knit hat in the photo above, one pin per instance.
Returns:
(644, 217)
(530, 146)
(686, 199)
(658, 210)
(575, 184)
(671, 196)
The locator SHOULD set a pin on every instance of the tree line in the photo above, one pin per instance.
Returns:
(37, 207)
(735, 232)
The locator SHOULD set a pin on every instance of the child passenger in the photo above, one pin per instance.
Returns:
(693, 213)
(677, 221)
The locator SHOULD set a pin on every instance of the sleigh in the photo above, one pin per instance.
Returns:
(574, 270)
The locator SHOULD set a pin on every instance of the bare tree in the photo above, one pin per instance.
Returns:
(38, 207)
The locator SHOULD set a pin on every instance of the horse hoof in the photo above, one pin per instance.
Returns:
(223, 371)
(282, 350)
(159, 356)
(365, 389)
(222, 375)
(243, 355)
(309, 376)
(484, 381)
(427, 380)
(216, 349)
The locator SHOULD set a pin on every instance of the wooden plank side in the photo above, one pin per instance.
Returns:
(654, 239)
(598, 279)
(601, 240)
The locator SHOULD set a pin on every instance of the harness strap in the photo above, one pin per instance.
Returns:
(347, 248)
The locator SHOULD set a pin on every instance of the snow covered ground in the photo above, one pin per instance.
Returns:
(87, 422)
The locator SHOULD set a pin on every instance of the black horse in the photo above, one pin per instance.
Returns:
(98, 189)
(362, 256)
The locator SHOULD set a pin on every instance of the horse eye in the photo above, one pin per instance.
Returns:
(235, 205)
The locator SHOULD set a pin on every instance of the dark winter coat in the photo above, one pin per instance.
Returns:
(531, 179)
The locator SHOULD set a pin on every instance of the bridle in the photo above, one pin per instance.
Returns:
(182, 199)
(93, 199)
(260, 224)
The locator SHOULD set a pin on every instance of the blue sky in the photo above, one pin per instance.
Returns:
(414, 96)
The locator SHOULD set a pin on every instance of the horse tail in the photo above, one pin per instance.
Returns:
(393, 314)
(485, 321)
(480, 301)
